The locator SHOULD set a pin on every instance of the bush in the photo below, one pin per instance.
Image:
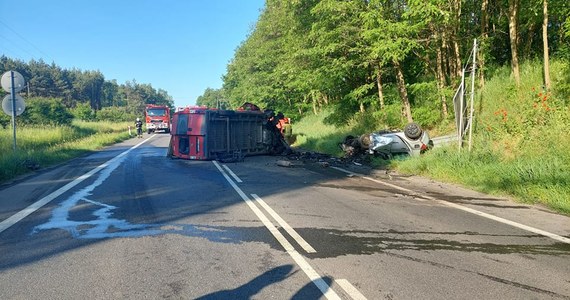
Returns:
(84, 112)
(45, 111)
(115, 114)
(391, 116)
(4, 120)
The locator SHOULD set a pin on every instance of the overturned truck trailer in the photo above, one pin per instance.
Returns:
(209, 134)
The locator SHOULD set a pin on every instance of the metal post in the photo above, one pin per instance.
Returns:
(461, 111)
(471, 123)
(13, 96)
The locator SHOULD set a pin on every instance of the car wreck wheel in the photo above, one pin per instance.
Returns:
(365, 141)
(413, 131)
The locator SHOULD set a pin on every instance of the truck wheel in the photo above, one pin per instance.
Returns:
(148, 131)
(413, 131)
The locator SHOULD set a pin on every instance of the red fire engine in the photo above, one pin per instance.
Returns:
(157, 118)
(201, 133)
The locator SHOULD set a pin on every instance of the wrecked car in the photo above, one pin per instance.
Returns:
(387, 144)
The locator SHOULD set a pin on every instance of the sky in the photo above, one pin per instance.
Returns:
(181, 46)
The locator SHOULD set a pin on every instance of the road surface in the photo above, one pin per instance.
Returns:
(128, 223)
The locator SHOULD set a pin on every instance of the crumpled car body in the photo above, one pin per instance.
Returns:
(390, 144)
(411, 141)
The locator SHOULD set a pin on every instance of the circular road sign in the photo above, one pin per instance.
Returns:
(19, 82)
(7, 105)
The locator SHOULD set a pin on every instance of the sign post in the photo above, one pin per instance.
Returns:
(13, 105)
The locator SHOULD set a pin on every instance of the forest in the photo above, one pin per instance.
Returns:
(393, 60)
(86, 93)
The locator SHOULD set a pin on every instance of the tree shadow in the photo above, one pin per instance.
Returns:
(310, 290)
(254, 286)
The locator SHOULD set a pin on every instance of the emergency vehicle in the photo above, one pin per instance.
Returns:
(157, 117)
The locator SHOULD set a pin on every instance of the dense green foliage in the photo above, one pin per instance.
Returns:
(57, 93)
(380, 56)
(212, 98)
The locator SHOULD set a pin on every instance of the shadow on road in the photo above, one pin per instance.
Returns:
(275, 275)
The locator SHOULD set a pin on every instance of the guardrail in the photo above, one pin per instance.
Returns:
(444, 140)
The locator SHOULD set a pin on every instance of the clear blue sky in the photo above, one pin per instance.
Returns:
(181, 46)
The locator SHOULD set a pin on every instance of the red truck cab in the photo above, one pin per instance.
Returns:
(157, 117)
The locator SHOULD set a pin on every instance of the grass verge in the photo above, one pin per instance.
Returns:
(46, 146)
(520, 148)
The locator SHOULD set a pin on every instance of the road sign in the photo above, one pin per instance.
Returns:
(13, 104)
(6, 81)
(7, 105)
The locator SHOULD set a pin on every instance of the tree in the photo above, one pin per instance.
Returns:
(354, 57)
(213, 98)
(483, 40)
(513, 35)
(546, 61)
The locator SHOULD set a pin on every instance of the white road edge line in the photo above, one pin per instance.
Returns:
(308, 248)
(17, 217)
(298, 258)
(466, 209)
(350, 289)
(232, 173)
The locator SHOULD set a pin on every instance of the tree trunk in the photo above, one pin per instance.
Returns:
(457, 55)
(314, 106)
(545, 46)
(379, 85)
(484, 37)
(513, 34)
(449, 66)
(406, 107)
(441, 82)
(528, 41)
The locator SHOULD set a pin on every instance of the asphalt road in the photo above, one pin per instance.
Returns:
(129, 223)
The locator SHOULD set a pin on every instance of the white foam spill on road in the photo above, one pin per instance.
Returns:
(103, 225)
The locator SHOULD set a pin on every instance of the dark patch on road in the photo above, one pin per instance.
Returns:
(360, 242)
(478, 201)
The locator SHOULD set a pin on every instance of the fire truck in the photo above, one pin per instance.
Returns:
(201, 133)
(157, 118)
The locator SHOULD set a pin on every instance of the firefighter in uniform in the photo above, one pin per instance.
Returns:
(138, 125)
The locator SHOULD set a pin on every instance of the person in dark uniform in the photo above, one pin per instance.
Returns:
(138, 125)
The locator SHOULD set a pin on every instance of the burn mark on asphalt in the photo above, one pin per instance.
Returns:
(523, 286)
(493, 278)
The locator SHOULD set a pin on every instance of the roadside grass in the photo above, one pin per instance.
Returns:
(40, 147)
(520, 147)
(311, 133)
(520, 144)
(533, 180)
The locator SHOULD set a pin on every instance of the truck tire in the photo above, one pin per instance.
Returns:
(413, 131)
